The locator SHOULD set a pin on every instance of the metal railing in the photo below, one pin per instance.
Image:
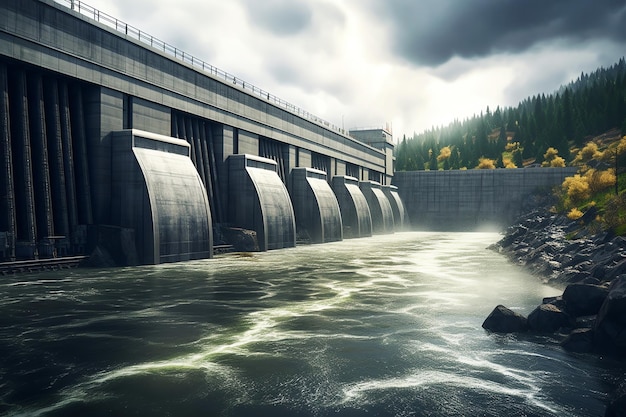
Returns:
(157, 44)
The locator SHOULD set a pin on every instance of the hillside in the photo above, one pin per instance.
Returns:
(591, 106)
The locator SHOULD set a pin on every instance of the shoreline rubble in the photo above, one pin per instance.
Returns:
(590, 315)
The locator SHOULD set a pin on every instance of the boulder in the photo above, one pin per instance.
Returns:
(617, 270)
(504, 320)
(610, 328)
(572, 275)
(512, 234)
(547, 318)
(242, 240)
(590, 215)
(555, 301)
(579, 340)
(584, 299)
(585, 321)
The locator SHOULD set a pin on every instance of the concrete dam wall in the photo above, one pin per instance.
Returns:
(462, 200)
(109, 133)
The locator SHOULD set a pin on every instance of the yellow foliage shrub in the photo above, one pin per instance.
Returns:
(550, 154)
(486, 163)
(557, 162)
(587, 153)
(511, 146)
(552, 159)
(508, 163)
(577, 188)
(444, 153)
(600, 180)
(574, 214)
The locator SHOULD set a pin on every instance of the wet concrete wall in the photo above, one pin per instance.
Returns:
(380, 208)
(355, 212)
(400, 218)
(159, 194)
(318, 218)
(460, 200)
(259, 201)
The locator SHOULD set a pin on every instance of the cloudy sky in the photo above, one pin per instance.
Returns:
(410, 64)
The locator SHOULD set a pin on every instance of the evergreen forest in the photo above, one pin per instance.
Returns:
(542, 129)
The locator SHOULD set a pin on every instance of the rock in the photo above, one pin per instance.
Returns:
(584, 299)
(616, 271)
(504, 320)
(590, 215)
(617, 404)
(585, 321)
(579, 340)
(551, 300)
(512, 235)
(590, 280)
(598, 271)
(555, 301)
(574, 276)
(547, 318)
(610, 328)
(242, 240)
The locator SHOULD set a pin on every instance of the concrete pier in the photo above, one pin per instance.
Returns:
(158, 193)
(380, 208)
(318, 218)
(259, 201)
(400, 220)
(355, 212)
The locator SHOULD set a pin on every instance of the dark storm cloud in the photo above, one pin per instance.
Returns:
(430, 32)
(281, 17)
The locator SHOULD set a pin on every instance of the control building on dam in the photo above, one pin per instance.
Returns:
(112, 138)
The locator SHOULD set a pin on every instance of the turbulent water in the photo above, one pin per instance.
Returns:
(384, 326)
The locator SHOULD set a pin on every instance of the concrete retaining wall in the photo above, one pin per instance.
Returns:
(458, 200)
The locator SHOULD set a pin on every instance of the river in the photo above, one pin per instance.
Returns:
(382, 326)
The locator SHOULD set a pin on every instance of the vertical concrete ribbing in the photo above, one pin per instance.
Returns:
(68, 156)
(198, 150)
(215, 180)
(41, 170)
(55, 146)
(175, 125)
(25, 202)
(7, 193)
(207, 162)
(189, 138)
(83, 184)
(180, 128)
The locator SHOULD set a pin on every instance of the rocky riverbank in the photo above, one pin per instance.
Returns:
(590, 315)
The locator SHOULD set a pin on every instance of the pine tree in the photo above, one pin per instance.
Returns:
(432, 162)
(518, 160)
(502, 139)
(591, 104)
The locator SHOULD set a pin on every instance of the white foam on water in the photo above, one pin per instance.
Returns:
(431, 379)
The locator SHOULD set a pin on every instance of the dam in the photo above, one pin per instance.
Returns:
(113, 140)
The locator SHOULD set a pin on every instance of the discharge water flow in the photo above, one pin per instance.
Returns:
(382, 326)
